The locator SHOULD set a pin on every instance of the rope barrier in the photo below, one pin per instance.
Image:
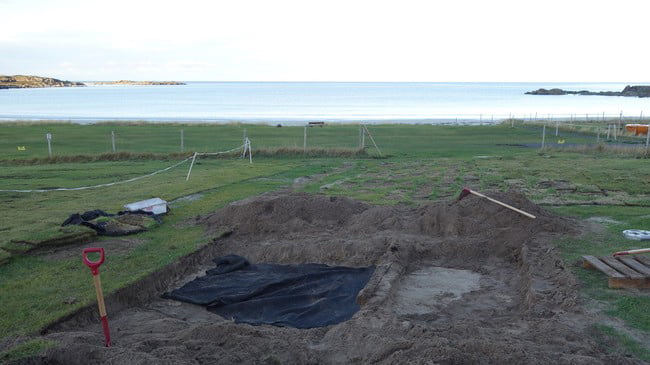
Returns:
(97, 186)
(123, 181)
(245, 147)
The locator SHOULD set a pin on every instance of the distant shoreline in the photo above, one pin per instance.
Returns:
(27, 82)
(131, 82)
(31, 81)
(271, 122)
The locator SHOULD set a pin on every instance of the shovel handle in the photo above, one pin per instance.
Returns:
(93, 265)
(632, 252)
(470, 191)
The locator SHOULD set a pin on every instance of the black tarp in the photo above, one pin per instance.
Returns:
(124, 223)
(301, 296)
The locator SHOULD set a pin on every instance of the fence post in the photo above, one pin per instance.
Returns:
(543, 135)
(557, 126)
(609, 126)
(48, 136)
(647, 142)
(182, 141)
(620, 119)
(304, 140)
(113, 140)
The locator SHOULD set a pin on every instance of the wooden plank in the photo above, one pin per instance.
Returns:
(591, 261)
(636, 265)
(616, 283)
(643, 259)
(622, 268)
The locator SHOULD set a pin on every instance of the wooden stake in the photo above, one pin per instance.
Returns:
(48, 136)
(191, 165)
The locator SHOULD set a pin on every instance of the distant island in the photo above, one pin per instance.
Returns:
(131, 82)
(635, 91)
(22, 81)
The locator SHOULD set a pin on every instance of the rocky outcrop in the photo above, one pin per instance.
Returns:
(131, 82)
(22, 81)
(635, 91)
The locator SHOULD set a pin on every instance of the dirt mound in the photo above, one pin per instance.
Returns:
(281, 214)
(465, 282)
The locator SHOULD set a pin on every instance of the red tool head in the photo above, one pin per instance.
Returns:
(93, 265)
(463, 193)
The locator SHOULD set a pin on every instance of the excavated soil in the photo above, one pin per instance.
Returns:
(455, 283)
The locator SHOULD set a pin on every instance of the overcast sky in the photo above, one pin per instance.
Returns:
(328, 40)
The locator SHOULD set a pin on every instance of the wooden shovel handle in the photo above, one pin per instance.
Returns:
(100, 295)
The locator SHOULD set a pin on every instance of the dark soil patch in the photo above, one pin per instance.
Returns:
(114, 246)
(469, 282)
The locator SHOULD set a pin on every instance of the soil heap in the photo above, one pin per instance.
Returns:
(462, 282)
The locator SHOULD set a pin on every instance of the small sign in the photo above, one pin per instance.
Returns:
(48, 136)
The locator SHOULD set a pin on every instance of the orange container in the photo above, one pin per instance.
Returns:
(637, 129)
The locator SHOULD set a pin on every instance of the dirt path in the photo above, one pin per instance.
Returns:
(469, 282)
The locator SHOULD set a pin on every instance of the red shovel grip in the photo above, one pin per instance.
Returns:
(93, 265)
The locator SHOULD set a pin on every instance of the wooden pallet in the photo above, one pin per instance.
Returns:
(623, 271)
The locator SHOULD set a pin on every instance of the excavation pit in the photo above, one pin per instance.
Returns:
(463, 282)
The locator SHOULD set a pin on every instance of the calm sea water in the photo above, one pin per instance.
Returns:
(297, 102)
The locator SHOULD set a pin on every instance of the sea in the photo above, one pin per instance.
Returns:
(334, 102)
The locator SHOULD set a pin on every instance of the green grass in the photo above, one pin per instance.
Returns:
(420, 163)
(39, 288)
(397, 140)
(26, 349)
(626, 342)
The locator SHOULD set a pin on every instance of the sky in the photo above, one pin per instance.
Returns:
(326, 40)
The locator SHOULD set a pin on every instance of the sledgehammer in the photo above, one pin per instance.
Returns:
(467, 191)
(94, 268)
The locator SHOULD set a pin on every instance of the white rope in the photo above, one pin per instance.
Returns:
(189, 172)
(100, 185)
(220, 153)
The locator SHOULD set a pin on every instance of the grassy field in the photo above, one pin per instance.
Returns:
(419, 163)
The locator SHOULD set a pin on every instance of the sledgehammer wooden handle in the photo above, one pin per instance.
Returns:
(501, 203)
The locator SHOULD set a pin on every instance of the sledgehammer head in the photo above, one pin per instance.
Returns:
(465, 192)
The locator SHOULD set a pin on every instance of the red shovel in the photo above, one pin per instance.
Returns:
(94, 268)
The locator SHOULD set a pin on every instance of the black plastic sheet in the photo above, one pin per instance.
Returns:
(301, 296)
